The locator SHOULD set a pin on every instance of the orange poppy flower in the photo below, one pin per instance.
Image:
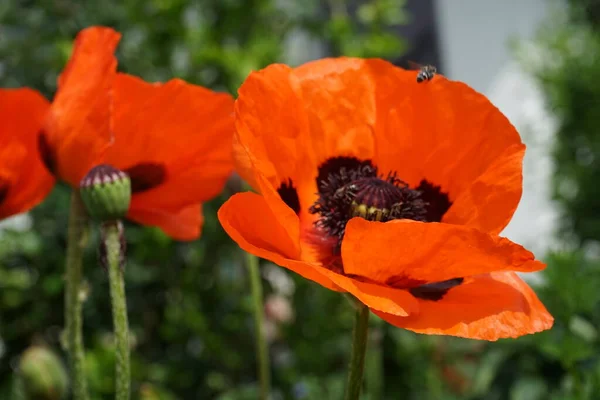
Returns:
(24, 182)
(392, 190)
(173, 139)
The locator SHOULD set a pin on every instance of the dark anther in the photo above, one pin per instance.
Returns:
(4, 186)
(338, 171)
(289, 195)
(376, 199)
(437, 201)
(46, 153)
(349, 188)
(435, 291)
(355, 190)
(146, 176)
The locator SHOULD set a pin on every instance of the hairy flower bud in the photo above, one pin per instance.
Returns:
(106, 192)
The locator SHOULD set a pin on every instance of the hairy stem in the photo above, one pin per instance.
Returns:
(112, 235)
(262, 358)
(76, 242)
(359, 348)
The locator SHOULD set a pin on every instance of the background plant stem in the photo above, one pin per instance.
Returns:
(374, 360)
(359, 347)
(262, 357)
(112, 232)
(76, 242)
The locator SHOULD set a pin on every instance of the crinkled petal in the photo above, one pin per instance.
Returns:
(272, 126)
(182, 128)
(289, 121)
(337, 94)
(377, 297)
(77, 130)
(487, 307)
(408, 253)
(447, 133)
(251, 223)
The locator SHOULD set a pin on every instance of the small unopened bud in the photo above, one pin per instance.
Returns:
(106, 192)
(42, 374)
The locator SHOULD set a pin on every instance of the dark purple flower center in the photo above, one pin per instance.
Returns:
(348, 188)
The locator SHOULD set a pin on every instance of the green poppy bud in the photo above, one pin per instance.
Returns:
(106, 193)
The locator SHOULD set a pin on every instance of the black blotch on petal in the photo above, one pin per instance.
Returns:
(335, 165)
(435, 291)
(46, 153)
(146, 176)
(438, 201)
(4, 186)
(289, 195)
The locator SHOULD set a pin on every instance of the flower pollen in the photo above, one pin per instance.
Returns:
(354, 189)
(351, 188)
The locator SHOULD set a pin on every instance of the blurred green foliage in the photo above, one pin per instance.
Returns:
(189, 304)
(214, 43)
(571, 81)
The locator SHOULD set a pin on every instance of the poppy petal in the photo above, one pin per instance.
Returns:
(272, 135)
(250, 222)
(182, 224)
(441, 131)
(244, 165)
(447, 133)
(184, 129)
(24, 180)
(377, 297)
(488, 307)
(289, 121)
(338, 98)
(490, 201)
(411, 253)
(77, 129)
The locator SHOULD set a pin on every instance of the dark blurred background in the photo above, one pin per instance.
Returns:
(189, 304)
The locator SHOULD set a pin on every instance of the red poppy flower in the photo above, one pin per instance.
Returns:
(24, 181)
(173, 139)
(392, 190)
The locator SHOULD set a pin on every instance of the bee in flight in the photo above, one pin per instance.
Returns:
(426, 72)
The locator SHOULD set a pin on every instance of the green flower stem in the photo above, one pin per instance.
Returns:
(112, 232)
(359, 348)
(262, 358)
(77, 236)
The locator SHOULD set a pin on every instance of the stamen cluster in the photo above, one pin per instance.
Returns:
(356, 190)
